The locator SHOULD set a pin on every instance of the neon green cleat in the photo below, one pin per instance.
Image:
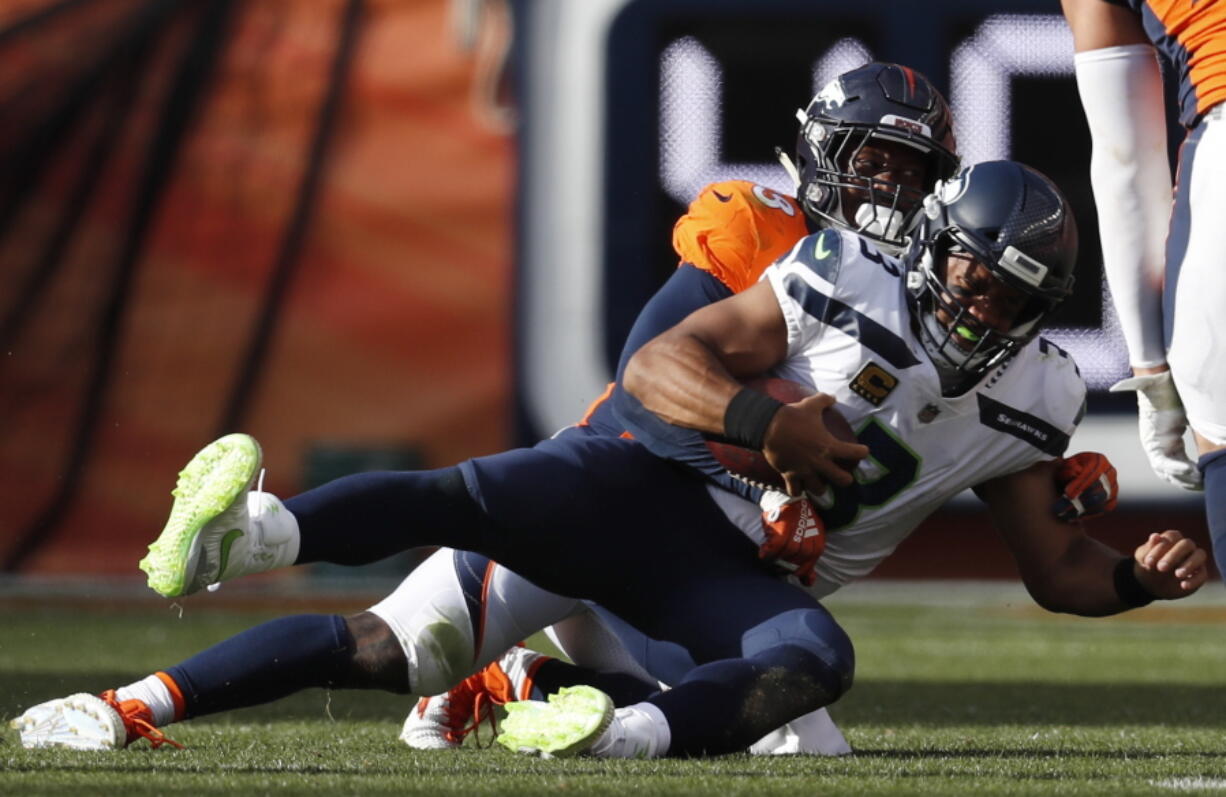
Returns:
(208, 517)
(569, 724)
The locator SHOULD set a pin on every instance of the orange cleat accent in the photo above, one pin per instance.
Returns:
(137, 721)
(444, 721)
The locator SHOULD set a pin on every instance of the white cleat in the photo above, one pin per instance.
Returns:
(78, 722)
(811, 734)
(443, 721)
(219, 528)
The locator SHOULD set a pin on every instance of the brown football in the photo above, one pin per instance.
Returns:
(750, 465)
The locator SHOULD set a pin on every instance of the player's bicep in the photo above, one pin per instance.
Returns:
(1096, 24)
(747, 332)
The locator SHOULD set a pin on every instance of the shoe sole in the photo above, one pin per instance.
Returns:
(78, 722)
(569, 724)
(221, 473)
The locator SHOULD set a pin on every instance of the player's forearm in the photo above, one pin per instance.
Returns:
(1082, 581)
(1121, 92)
(680, 379)
(1064, 570)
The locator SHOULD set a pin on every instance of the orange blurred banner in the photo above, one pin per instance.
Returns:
(394, 330)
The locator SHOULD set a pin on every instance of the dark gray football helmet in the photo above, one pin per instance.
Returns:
(1016, 223)
(878, 103)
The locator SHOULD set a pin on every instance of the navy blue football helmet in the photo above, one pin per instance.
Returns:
(875, 104)
(1014, 222)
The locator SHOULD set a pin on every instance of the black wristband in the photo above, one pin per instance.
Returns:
(1132, 592)
(747, 416)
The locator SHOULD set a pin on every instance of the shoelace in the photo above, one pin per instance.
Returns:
(482, 707)
(138, 726)
(256, 525)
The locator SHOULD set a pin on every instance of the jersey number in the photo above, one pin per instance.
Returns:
(772, 200)
(896, 467)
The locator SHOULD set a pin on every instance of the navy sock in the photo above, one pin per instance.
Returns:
(265, 663)
(359, 519)
(624, 689)
(1213, 465)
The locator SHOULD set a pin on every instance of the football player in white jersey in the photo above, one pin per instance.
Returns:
(1163, 249)
(871, 144)
(880, 121)
(949, 387)
(993, 256)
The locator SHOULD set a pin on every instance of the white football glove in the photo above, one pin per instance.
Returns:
(1162, 422)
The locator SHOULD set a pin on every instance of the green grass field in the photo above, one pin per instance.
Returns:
(961, 689)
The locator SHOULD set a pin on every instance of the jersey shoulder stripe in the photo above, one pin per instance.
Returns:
(735, 229)
(829, 277)
(822, 253)
(837, 314)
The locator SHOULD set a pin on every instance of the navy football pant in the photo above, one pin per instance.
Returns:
(603, 519)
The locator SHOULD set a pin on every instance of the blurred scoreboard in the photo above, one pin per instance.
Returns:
(630, 107)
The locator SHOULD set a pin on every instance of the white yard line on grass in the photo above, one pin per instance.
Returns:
(957, 593)
(1191, 784)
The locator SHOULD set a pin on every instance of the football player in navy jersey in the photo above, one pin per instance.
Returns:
(991, 257)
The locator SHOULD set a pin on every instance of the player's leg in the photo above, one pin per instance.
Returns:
(221, 528)
(458, 618)
(440, 507)
(777, 656)
(658, 552)
(1194, 299)
(721, 707)
(1213, 466)
(459, 614)
(449, 618)
(541, 493)
(257, 666)
(599, 640)
(212, 536)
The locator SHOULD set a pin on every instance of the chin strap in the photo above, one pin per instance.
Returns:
(789, 166)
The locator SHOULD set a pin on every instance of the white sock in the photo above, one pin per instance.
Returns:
(278, 527)
(520, 664)
(154, 694)
(638, 731)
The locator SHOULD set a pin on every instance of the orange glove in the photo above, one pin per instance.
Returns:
(1088, 487)
(795, 535)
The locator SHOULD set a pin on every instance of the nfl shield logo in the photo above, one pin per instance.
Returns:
(928, 412)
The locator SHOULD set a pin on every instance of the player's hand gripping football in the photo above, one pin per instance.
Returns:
(795, 534)
(806, 453)
(1088, 487)
(1170, 565)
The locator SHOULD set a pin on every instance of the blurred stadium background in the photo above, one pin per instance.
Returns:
(398, 233)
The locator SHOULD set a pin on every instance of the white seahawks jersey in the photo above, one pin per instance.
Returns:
(850, 335)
